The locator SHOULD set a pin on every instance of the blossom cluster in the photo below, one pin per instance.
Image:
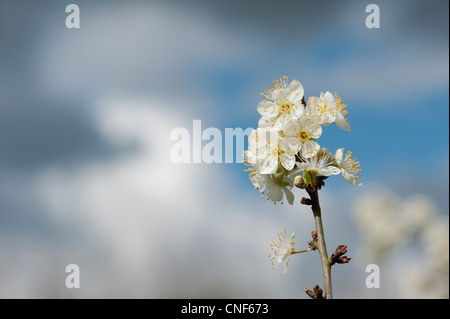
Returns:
(285, 145)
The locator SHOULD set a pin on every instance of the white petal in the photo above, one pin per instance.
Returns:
(274, 192)
(286, 257)
(339, 155)
(291, 127)
(328, 98)
(267, 108)
(294, 143)
(280, 121)
(327, 118)
(297, 110)
(311, 105)
(266, 122)
(350, 178)
(295, 91)
(310, 148)
(288, 161)
(261, 181)
(270, 165)
(316, 131)
(293, 237)
(289, 195)
(304, 121)
(291, 130)
(328, 170)
(342, 122)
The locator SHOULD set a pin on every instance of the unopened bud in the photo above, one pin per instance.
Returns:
(299, 182)
(316, 294)
(338, 258)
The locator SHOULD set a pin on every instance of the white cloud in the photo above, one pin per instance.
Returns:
(165, 229)
(140, 226)
(130, 46)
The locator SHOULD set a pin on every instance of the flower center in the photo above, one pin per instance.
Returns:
(285, 107)
(274, 150)
(303, 135)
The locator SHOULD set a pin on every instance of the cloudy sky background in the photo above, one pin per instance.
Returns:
(86, 115)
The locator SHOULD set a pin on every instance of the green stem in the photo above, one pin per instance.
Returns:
(301, 251)
(326, 266)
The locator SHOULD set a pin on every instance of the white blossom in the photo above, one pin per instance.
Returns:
(349, 166)
(318, 165)
(301, 135)
(285, 143)
(272, 185)
(282, 103)
(268, 147)
(328, 109)
(282, 250)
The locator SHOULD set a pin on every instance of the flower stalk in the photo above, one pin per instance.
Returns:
(301, 251)
(321, 246)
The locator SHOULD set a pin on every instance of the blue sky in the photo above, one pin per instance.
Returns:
(398, 123)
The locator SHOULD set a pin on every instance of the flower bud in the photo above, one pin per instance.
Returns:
(299, 182)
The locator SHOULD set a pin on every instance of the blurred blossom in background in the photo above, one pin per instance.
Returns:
(85, 170)
(388, 224)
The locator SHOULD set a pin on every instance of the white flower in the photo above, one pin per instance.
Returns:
(329, 109)
(282, 103)
(301, 135)
(318, 165)
(349, 166)
(322, 107)
(271, 185)
(282, 250)
(279, 153)
(271, 150)
(278, 184)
